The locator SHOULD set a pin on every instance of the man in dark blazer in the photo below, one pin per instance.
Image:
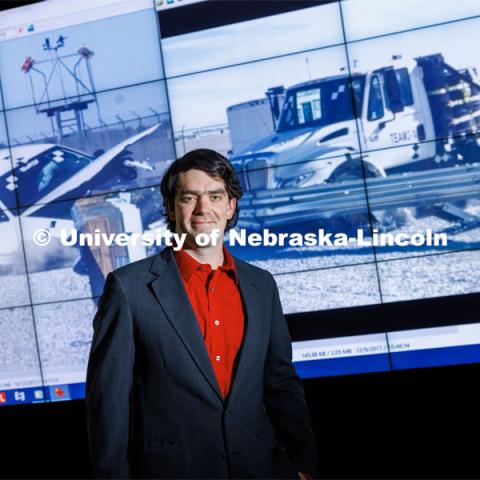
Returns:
(156, 404)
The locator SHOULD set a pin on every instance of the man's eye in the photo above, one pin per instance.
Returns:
(216, 197)
(187, 199)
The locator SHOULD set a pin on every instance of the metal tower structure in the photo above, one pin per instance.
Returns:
(62, 87)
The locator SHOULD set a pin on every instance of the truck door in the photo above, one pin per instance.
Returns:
(401, 133)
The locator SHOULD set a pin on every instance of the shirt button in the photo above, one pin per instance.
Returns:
(217, 322)
(217, 358)
(212, 289)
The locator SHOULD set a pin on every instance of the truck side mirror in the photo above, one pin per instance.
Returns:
(393, 93)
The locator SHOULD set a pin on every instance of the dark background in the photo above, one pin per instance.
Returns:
(421, 423)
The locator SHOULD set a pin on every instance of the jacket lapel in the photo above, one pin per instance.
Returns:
(170, 292)
(246, 361)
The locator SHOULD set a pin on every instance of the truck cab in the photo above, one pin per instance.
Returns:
(396, 116)
(333, 132)
(328, 125)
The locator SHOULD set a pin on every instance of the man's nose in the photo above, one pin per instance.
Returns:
(201, 206)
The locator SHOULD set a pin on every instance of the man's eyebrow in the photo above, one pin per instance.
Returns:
(198, 192)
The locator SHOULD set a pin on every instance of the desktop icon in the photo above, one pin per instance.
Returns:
(38, 394)
(19, 396)
(59, 392)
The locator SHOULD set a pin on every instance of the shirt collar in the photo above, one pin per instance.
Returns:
(187, 264)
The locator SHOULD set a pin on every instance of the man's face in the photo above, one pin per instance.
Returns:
(201, 204)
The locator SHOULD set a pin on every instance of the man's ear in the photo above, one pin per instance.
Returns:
(232, 205)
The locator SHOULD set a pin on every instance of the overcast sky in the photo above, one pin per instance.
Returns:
(366, 18)
(202, 99)
(261, 38)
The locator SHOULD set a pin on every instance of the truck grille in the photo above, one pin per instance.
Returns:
(255, 174)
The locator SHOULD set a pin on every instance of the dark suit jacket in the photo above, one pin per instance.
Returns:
(153, 405)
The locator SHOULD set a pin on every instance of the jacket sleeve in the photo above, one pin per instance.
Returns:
(109, 383)
(284, 397)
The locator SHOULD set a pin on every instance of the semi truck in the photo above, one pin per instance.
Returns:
(403, 117)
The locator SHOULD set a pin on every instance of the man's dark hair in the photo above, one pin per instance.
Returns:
(212, 163)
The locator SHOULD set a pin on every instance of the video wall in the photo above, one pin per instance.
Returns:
(338, 117)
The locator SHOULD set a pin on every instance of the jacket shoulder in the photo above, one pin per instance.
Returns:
(135, 271)
(255, 273)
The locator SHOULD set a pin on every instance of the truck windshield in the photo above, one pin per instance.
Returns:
(324, 103)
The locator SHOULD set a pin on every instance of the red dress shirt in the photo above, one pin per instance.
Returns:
(216, 301)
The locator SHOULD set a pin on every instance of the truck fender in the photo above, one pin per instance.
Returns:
(354, 169)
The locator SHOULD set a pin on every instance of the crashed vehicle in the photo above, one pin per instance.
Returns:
(45, 181)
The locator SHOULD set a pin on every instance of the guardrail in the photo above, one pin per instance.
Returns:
(283, 206)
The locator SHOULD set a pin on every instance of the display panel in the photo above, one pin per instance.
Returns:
(14, 289)
(7, 185)
(274, 36)
(341, 116)
(341, 287)
(410, 137)
(64, 332)
(390, 141)
(342, 355)
(435, 346)
(124, 144)
(21, 378)
(372, 18)
(429, 276)
(92, 50)
(68, 264)
(81, 154)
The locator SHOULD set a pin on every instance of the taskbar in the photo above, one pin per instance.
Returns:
(432, 357)
(42, 394)
(312, 359)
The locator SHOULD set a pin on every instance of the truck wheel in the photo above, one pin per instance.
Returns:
(383, 219)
